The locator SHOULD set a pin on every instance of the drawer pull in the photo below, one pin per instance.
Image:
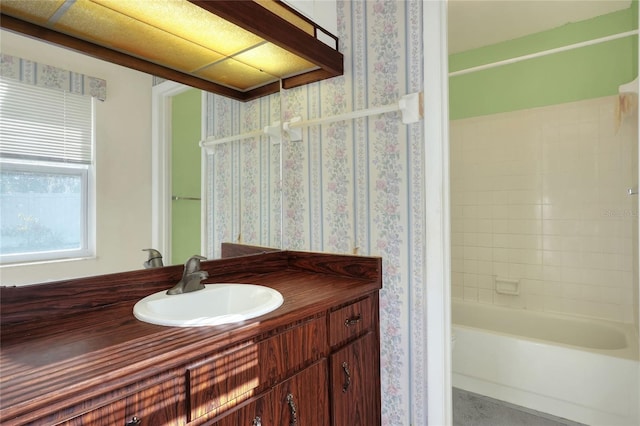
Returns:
(352, 320)
(292, 409)
(347, 377)
(135, 421)
(257, 421)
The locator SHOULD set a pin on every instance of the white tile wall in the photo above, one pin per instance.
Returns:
(540, 195)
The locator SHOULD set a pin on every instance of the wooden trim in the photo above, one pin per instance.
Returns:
(362, 267)
(246, 14)
(235, 250)
(260, 21)
(261, 91)
(306, 78)
(113, 56)
(315, 25)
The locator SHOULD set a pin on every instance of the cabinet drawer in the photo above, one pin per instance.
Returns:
(157, 405)
(223, 382)
(351, 321)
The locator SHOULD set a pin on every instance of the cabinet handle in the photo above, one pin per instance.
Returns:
(292, 409)
(347, 377)
(257, 421)
(135, 421)
(352, 320)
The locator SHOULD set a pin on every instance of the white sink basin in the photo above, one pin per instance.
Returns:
(216, 304)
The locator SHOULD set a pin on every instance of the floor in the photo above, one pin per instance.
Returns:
(470, 409)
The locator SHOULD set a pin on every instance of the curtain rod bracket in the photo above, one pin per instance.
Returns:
(411, 107)
(295, 133)
(273, 131)
(631, 87)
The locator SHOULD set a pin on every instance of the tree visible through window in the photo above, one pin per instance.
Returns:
(46, 141)
(40, 211)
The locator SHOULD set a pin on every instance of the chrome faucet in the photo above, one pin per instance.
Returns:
(155, 259)
(191, 277)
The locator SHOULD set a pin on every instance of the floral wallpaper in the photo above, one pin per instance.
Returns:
(244, 198)
(356, 186)
(36, 74)
(352, 186)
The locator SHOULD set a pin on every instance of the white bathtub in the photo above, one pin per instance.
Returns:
(579, 369)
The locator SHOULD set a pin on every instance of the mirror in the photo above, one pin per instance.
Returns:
(244, 203)
(125, 177)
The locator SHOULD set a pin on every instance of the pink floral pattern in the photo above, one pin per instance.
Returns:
(338, 209)
(244, 201)
(294, 155)
(416, 243)
(51, 77)
(358, 183)
(387, 171)
(371, 180)
(315, 143)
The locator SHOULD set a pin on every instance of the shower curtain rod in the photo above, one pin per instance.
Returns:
(544, 53)
(272, 131)
(409, 105)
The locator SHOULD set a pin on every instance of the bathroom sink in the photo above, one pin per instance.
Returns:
(217, 304)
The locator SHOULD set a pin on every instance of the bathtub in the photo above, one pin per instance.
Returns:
(579, 369)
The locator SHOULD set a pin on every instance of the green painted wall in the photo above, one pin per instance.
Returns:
(185, 175)
(583, 73)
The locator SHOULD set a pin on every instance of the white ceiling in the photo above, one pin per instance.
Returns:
(477, 23)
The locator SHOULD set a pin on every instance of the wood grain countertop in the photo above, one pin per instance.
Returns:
(59, 356)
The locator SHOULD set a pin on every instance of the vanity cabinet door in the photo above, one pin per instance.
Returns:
(158, 405)
(355, 384)
(302, 400)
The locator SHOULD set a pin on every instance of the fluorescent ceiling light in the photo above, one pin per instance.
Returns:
(241, 49)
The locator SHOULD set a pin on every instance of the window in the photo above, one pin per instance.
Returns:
(46, 161)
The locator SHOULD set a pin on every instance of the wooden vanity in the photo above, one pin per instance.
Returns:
(72, 353)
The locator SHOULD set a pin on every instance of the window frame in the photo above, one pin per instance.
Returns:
(87, 173)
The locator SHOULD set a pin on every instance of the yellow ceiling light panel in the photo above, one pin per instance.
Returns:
(275, 60)
(188, 21)
(37, 11)
(234, 48)
(103, 26)
(235, 74)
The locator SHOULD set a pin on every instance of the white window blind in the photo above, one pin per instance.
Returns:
(44, 125)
